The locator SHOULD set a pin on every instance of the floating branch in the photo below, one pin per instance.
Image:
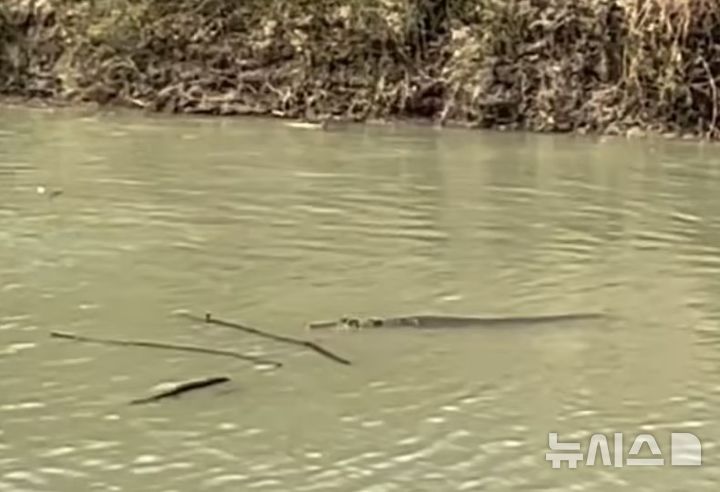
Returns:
(166, 346)
(279, 338)
(182, 388)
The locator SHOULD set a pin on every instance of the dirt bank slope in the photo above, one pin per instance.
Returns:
(602, 66)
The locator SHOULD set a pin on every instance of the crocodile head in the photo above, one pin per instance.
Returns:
(350, 323)
(347, 323)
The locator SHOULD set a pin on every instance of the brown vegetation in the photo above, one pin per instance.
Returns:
(603, 66)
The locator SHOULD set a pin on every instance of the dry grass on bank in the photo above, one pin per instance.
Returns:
(543, 65)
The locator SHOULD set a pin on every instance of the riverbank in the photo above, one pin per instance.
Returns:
(595, 66)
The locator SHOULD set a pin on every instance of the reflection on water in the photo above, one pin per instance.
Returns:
(276, 227)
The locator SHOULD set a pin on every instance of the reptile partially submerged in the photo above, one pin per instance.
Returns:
(441, 321)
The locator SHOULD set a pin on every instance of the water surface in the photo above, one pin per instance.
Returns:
(276, 226)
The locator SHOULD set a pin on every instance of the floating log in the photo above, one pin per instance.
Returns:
(166, 346)
(182, 388)
(279, 338)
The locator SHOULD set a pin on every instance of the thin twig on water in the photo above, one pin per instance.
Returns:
(165, 346)
(278, 338)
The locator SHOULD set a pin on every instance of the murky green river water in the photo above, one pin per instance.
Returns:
(275, 226)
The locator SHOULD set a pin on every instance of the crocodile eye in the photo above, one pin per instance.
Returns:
(353, 323)
(376, 322)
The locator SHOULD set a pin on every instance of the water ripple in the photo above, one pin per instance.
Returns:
(278, 227)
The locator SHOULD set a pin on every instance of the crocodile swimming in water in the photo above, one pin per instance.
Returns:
(430, 321)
